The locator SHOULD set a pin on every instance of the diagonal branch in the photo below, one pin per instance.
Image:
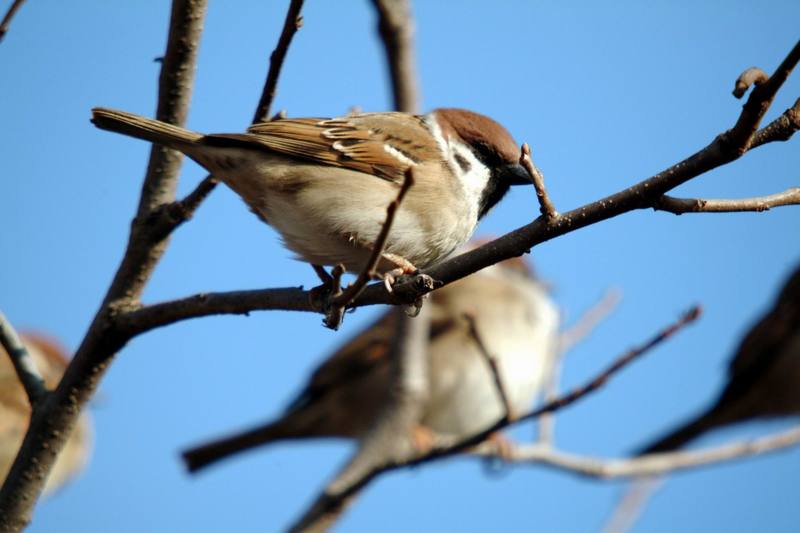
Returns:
(337, 305)
(52, 423)
(6, 22)
(396, 28)
(293, 22)
(679, 206)
(28, 374)
(391, 439)
(491, 362)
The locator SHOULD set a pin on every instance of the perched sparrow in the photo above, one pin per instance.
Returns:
(15, 412)
(325, 184)
(764, 376)
(514, 317)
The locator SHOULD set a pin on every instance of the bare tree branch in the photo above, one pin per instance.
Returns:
(293, 22)
(53, 422)
(656, 464)
(390, 441)
(679, 206)
(546, 207)
(567, 340)
(12, 10)
(780, 129)
(725, 148)
(396, 28)
(28, 374)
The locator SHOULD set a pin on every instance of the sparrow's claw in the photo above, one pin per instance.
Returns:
(422, 438)
(502, 446)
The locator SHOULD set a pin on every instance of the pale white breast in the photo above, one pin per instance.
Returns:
(520, 331)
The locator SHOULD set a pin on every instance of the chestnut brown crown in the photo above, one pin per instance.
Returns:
(493, 142)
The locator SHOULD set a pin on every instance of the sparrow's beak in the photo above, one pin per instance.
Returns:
(515, 174)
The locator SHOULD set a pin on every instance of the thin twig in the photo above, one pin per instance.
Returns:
(753, 75)
(568, 338)
(28, 374)
(12, 10)
(630, 506)
(680, 206)
(589, 320)
(396, 28)
(491, 361)
(340, 302)
(652, 465)
(780, 129)
(546, 207)
(293, 22)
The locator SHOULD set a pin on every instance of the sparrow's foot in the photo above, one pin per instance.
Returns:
(319, 296)
(404, 267)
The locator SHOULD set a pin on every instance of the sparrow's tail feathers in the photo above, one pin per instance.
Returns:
(686, 433)
(207, 454)
(144, 128)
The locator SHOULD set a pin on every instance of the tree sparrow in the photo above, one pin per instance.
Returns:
(15, 412)
(325, 184)
(516, 320)
(763, 378)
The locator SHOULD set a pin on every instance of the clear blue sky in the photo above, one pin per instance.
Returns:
(606, 96)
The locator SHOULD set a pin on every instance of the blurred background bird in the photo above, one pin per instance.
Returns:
(15, 411)
(763, 377)
(514, 317)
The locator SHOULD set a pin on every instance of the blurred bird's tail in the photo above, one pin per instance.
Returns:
(144, 128)
(207, 454)
(715, 417)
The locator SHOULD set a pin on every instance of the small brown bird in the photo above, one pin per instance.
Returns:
(763, 378)
(325, 184)
(15, 412)
(514, 317)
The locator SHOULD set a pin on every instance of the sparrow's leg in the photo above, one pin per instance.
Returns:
(319, 295)
(403, 267)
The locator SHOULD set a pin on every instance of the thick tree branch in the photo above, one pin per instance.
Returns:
(6, 22)
(643, 195)
(391, 440)
(396, 28)
(679, 206)
(24, 365)
(293, 22)
(53, 422)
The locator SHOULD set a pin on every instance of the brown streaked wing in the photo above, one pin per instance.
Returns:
(356, 142)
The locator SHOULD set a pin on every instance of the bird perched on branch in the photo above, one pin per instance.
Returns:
(763, 377)
(15, 412)
(325, 184)
(517, 322)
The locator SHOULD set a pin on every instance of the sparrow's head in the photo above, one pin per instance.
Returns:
(475, 138)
